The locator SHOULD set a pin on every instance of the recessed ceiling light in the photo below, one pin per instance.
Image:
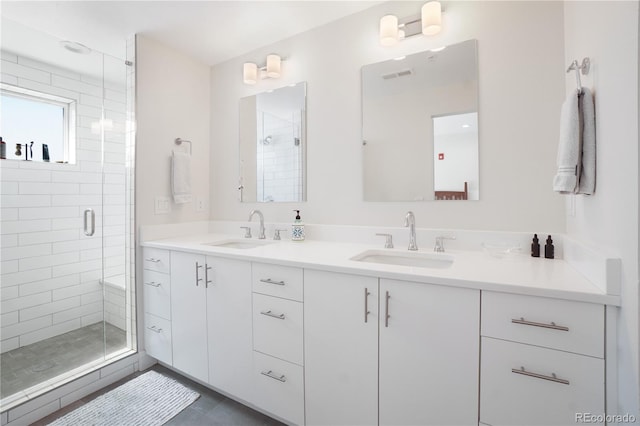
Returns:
(438, 49)
(465, 126)
(399, 58)
(75, 47)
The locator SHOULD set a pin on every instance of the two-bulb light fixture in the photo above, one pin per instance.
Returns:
(429, 23)
(251, 73)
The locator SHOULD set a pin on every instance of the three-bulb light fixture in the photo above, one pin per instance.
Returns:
(429, 23)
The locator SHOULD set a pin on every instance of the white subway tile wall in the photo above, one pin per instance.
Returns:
(279, 166)
(51, 272)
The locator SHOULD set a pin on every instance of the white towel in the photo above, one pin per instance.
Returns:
(181, 177)
(576, 148)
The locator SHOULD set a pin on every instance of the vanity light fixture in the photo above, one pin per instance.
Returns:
(429, 23)
(251, 73)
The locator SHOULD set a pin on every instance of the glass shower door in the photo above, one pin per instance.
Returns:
(65, 222)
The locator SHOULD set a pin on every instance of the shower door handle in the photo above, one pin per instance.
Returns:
(89, 228)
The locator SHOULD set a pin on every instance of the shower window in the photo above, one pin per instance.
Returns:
(28, 115)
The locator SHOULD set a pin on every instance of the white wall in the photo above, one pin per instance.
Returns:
(172, 93)
(518, 120)
(51, 271)
(607, 33)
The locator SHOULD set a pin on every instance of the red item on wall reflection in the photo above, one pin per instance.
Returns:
(441, 156)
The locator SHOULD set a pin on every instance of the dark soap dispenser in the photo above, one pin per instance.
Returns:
(535, 246)
(548, 248)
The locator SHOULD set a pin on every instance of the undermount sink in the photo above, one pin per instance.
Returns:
(239, 243)
(417, 259)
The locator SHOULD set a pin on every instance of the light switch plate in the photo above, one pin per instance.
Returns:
(162, 205)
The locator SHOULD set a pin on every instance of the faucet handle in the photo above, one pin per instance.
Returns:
(389, 240)
(247, 231)
(276, 233)
(440, 242)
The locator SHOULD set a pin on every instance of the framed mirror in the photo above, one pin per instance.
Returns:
(420, 126)
(273, 146)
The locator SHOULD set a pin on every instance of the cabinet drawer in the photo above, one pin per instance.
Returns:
(277, 327)
(157, 338)
(157, 293)
(559, 324)
(276, 280)
(156, 260)
(511, 398)
(279, 388)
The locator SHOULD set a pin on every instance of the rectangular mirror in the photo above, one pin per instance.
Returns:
(273, 146)
(420, 126)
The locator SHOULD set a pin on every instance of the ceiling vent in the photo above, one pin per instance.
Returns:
(403, 73)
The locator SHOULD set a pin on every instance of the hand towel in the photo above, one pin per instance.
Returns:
(568, 161)
(587, 178)
(181, 177)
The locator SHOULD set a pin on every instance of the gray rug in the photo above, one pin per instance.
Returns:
(149, 399)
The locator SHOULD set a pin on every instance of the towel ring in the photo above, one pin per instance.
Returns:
(179, 141)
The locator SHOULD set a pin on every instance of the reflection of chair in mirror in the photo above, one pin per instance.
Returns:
(453, 195)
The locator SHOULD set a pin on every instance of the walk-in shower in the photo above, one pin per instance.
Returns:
(66, 220)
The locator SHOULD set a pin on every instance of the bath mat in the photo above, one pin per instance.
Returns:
(149, 399)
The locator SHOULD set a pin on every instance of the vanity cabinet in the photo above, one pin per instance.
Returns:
(156, 289)
(278, 361)
(389, 352)
(542, 360)
(211, 320)
(189, 314)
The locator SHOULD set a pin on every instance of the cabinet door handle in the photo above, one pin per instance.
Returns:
(366, 304)
(207, 281)
(153, 284)
(198, 279)
(153, 259)
(552, 325)
(271, 314)
(270, 281)
(386, 309)
(270, 374)
(551, 378)
(154, 329)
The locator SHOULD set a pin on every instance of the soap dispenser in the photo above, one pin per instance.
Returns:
(297, 229)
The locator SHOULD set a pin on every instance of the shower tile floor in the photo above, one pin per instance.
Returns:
(41, 361)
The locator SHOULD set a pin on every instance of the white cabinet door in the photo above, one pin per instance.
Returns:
(189, 314)
(341, 349)
(229, 325)
(429, 350)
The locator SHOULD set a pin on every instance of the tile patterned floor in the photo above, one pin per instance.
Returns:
(211, 409)
(27, 366)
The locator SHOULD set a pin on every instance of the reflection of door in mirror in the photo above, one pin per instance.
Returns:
(455, 159)
(272, 146)
(399, 99)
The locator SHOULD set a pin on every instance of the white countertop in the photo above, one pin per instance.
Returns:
(514, 273)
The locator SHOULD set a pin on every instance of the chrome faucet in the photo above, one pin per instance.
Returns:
(410, 221)
(261, 235)
(439, 247)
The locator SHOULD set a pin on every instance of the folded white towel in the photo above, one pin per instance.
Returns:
(566, 179)
(587, 179)
(577, 146)
(181, 177)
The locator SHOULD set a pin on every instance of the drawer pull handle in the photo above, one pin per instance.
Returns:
(153, 259)
(155, 329)
(153, 284)
(270, 281)
(271, 314)
(552, 326)
(551, 378)
(273, 376)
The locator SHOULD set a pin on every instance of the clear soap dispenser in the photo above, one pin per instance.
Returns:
(297, 228)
